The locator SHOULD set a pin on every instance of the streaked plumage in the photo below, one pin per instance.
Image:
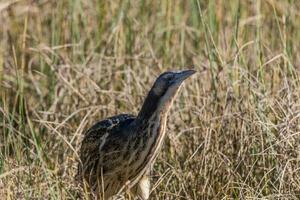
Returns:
(117, 153)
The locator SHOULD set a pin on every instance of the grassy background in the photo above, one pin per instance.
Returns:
(234, 131)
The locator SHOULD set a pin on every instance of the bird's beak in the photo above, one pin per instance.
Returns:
(182, 75)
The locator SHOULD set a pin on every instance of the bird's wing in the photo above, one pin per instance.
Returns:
(98, 142)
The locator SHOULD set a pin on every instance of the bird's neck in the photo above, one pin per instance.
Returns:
(149, 106)
(153, 107)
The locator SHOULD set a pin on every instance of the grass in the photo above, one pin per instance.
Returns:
(233, 132)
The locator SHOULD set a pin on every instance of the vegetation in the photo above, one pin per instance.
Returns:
(234, 131)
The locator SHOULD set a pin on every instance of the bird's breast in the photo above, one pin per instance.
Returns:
(148, 142)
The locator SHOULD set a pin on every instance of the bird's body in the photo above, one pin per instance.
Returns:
(117, 153)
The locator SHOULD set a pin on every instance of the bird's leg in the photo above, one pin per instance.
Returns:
(142, 188)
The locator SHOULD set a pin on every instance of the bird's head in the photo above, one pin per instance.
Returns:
(164, 91)
(168, 83)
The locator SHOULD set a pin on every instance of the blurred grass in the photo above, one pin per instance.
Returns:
(233, 131)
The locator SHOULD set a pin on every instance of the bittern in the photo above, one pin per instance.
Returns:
(117, 153)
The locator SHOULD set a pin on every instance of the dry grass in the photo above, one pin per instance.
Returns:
(234, 131)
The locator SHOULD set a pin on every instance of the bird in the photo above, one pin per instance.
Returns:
(117, 153)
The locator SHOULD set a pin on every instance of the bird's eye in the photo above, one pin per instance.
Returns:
(169, 77)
